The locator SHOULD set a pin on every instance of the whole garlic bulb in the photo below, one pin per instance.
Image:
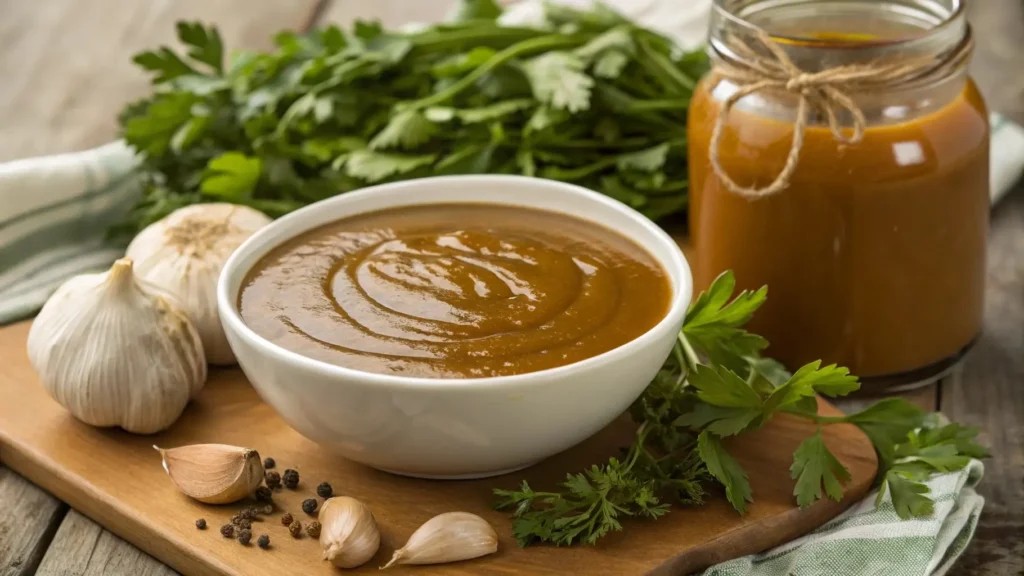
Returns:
(184, 253)
(116, 351)
(348, 532)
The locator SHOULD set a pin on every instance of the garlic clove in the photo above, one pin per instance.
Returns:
(115, 350)
(184, 253)
(348, 532)
(214, 473)
(447, 537)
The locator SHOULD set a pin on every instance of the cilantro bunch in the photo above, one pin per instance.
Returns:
(717, 385)
(587, 97)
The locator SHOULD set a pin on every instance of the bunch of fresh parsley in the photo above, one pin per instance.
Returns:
(716, 384)
(587, 97)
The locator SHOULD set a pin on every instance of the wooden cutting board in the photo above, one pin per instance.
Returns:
(116, 479)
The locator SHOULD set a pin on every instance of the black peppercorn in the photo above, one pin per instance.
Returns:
(263, 494)
(244, 523)
(237, 518)
(313, 529)
(227, 530)
(324, 490)
(251, 513)
(286, 519)
(309, 506)
(269, 463)
(263, 541)
(273, 479)
(295, 528)
(244, 537)
(267, 510)
(291, 479)
(201, 524)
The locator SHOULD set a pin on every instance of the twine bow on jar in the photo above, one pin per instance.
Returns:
(827, 91)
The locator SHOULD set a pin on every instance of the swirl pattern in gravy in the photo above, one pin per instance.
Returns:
(455, 291)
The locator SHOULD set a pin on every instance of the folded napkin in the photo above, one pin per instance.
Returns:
(873, 541)
(55, 210)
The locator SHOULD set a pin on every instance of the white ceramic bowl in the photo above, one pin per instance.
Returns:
(454, 428)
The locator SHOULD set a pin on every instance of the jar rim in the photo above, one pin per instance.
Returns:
(945, 35)
(957, 14)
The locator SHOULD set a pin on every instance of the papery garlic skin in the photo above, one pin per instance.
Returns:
(184, 253)
(116, 351)
(448, 537)
(348, 532)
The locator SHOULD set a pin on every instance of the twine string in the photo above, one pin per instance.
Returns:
(827, 92)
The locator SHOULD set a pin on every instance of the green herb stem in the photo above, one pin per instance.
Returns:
(520, 49)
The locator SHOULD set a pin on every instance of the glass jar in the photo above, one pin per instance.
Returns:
(874, 250)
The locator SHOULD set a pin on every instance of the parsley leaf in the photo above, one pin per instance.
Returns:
(204, 44)
(376, 166)
(908, 497)
(164, 63)
(814, 465)
(232, 176)
(407, 129)
(887, 423)
(714, 323)
(719, 386)
(726, 470)
(558, 80)
(647, 160)
(154, 125)
(477, 9)
(719, 420)
(810, 380)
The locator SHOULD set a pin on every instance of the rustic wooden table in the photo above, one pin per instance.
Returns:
(66, 74)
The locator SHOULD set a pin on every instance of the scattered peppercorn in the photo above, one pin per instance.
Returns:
(309, 506)
(227, 530)
(273, 479)
(324, 490)
(236, 518)
(313, 529)
(263, 541)
(267, 510)
(286, 519)
(201, 524)
(269, 463)
(291, 479)
(244, 523)
(252, 513)
(244, 537)
(295, 528)
(263, 494)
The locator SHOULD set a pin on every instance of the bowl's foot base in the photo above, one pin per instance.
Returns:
(470, 476)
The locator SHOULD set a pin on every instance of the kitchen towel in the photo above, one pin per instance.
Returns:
(873, 541)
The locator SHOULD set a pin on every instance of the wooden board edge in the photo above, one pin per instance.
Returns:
(783, 528)
(106, 512)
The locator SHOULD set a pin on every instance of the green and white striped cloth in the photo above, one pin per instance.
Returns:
(873, 541)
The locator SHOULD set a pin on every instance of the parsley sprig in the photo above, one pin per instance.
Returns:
(586, 97)
(715, 385)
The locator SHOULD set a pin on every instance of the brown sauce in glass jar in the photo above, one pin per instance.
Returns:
(874, 254)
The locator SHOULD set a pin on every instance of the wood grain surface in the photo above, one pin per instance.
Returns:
(28, 519)
(82, 547)
(116, 479)
(66, 74)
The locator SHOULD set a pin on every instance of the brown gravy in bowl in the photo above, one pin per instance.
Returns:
(455, 291)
